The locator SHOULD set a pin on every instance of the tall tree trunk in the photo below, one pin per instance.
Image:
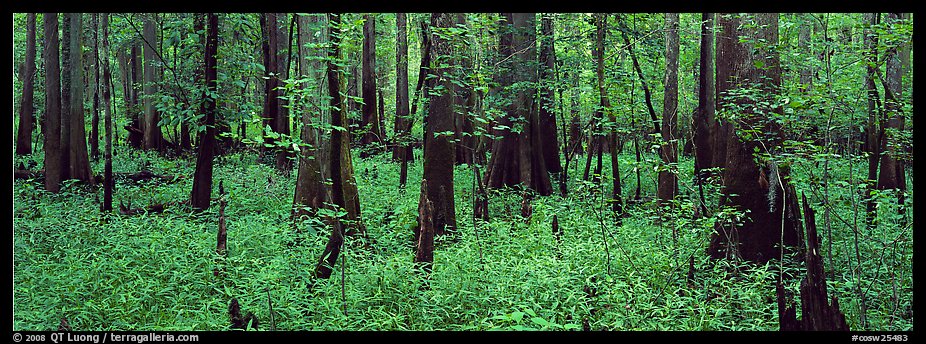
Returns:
(79, 159)
(892, 118)
(26, 106)
(133, 110)
(52, 129)
(420, 88)
(310, 192)
(667, 187)
(762, 189)
(873, 129)
(549, 143)
(333, 248)
(108, 181)
(152, 132)
(703, 119)
(604, 105)
(202, 178)
(401, 90)
(65, 140)
(95, 120)
(281, 123)
(369, 123)
(439, 155)
(516, 157)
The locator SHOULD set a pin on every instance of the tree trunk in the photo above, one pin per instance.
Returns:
(439, 155)
(369, 123)
(26, 107)
(65, 97)
(892, 118)
(667, 187)
(281, 124)
(136, 132)
(549, 143)
(333, 248)
(604, 105)
(79, 159)
(310, 192)
(108, 182)
(95, 120)
(401, 88)
(52, 129)
(516, 157)
(703, 119)
(424, 253)
(202, 178)
(761, 190)
(872, 128)
(152, 138)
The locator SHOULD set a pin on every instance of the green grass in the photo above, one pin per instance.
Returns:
(155, 272)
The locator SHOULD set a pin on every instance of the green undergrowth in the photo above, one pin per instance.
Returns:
(156, 271)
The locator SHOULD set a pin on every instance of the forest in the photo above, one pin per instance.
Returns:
(463, 171)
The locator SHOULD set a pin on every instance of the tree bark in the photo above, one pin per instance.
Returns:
(26, 107)
(310, 192)
(153, 138)
(753, 182)
(66, 67)
(872, 129)
(333, 248)
(108, 182)
(703, 119)
(549, 143)
(892, 118)
(667, 187)
(401, 88)
(372, 133)
(516, 157)
(52, 129)
(79, 159)
(202, 178)
(439, 155)
(95, 120)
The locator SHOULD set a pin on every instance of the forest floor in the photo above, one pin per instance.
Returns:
(155, 271)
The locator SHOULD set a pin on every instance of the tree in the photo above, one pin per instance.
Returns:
(516, 156)
(338, 142)
(748, 80)
(891, 175)
(26, 106)
(399, 152)
(667, 187)
(78, 158)
(275, 116)
(872, 128)
(202, 177)
(464, 98)
(152, 132)
(703, 118)
(52, 129)
(370, 124)
(95, 120)
(65, 140)
(439, 152)
(420, 88)
(647, 95)
(108, 182)
(310, 192)
(549, 142)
